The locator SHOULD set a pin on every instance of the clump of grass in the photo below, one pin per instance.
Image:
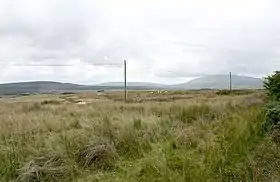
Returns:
(235, 92)
(137, 123)
(106, 128)
(192, 113)
(262, 164)
(275, 133)
(9, 158)
(152, 168)
(48, 167)
(186, 137)
(223, 92)
(100, 154)
(32, 107)
(74, 123)
(131, 142)
(54, 102)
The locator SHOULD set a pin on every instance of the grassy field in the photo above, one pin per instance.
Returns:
(170, 136)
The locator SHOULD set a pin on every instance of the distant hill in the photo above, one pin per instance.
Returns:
(49, 87)
(222, 82)
(37, 87)
(132, 84)
(209, 82)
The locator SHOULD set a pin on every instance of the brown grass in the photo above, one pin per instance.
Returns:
(49, 167)
(100, 154)
(172, 136)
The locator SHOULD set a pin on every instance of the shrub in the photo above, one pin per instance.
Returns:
(272, 105)
(223, 92)
(275, 134)
(272, 115)
(272, 85)
(272, 110)
(235, 92)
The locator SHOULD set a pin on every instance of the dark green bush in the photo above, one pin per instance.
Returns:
(272, 110)
(223, 92)
(275, 133)
(235, 92)
(55, 102)
(271, 105)
(272, 115)
(272, 86)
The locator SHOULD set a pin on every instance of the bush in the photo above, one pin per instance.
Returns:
(275, 134)
(272, 105)
(272, 115)
(272, 85)
(223, 92)
(272, 110)
(235, 92)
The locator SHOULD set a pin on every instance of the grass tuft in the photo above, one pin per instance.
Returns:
(100, 154)
(48, 167)
(54, 102)
(132, 143)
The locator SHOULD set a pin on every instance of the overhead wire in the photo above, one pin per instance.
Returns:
(56, 65)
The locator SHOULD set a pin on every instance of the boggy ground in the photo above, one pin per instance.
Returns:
(170, 136)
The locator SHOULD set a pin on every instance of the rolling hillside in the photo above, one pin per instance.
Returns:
(49, 87)
(210, 82)
(222, 82)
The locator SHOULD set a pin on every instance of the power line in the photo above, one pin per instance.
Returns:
(55, 65)
(43, 65)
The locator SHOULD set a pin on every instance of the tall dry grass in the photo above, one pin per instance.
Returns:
(196, 137)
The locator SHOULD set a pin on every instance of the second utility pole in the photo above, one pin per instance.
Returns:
(230, 81)
(125, 86)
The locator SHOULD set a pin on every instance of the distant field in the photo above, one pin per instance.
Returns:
(167, 136)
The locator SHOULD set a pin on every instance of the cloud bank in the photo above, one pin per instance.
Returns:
(84, 41)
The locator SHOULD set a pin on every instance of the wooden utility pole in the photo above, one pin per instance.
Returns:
(125, 86)
(230, 81)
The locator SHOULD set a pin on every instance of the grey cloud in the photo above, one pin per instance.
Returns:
(115, 51)
(252, 62)
(174, 40)
(179, 73)
(59, 33)
(188, 44)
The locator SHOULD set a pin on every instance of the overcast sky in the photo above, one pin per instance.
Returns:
(166, 41)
